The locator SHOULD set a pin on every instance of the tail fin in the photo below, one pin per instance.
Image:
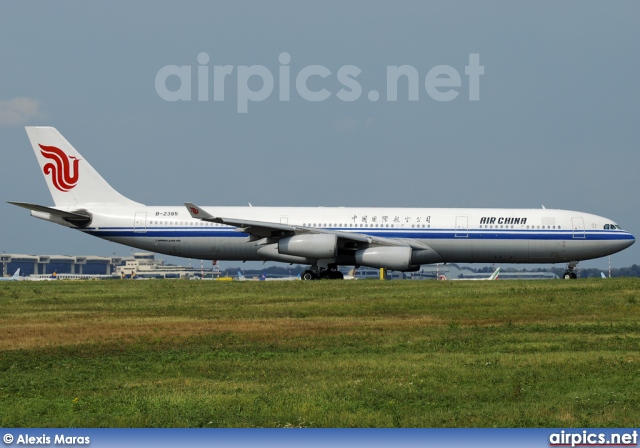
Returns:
(70, 178)
(16, 274)
(495, 274)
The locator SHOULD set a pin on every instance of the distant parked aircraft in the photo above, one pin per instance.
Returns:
(42, 277)
(15, 277)
(264, 277)
(493, 276)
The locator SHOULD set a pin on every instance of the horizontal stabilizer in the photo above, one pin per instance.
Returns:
(79, 217)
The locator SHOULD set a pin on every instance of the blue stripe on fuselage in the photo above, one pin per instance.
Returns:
(475, 234)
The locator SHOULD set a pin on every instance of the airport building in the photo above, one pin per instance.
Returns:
(141, 264)
(145, 265)
(62, 264)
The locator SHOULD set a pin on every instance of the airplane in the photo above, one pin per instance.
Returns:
(284, 278)
(42, 277)
(351, 275)
(82, 276)
(14, 278)
(493, 276)
(242, 278)
(264, 278)
(324, 238)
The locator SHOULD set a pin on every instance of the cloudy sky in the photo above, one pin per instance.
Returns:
(555, 121)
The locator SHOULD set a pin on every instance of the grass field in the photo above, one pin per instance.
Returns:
(320, 354)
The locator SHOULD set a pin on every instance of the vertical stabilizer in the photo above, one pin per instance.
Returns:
(70, 178)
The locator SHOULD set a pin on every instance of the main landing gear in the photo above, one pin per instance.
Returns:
(317, 273)
(570, 274)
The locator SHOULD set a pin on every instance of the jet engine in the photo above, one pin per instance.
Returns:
(394, 258)
(309, 246)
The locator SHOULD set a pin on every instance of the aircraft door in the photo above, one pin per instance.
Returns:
(140, 222)
(462, 227)
(578, 227)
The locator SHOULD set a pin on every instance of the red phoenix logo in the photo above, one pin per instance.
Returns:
(60, 169)
(194, 210)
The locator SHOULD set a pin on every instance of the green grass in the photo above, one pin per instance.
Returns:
(320, 354)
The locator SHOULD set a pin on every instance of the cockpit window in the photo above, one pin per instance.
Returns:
(606, 227)
(612, 227)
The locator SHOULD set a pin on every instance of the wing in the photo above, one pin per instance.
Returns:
(272, 231)
(257, 229)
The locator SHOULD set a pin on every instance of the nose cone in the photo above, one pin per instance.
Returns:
(624, 242)
(632, 239)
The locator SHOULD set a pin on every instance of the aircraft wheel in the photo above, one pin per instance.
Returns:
(308, 275)
(336, 275)
(569, 276)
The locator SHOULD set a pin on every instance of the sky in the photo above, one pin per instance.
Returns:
(553, 119)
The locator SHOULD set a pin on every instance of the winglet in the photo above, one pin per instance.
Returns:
(198, 213)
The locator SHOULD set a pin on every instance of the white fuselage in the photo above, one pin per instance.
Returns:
(324, 237)
(470, 235)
